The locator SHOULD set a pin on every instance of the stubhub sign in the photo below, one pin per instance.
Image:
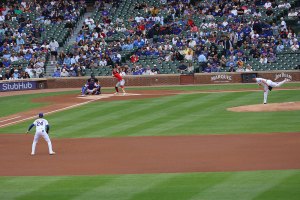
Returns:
(12, 86)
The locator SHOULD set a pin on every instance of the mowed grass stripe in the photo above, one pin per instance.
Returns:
(59, 188)
(278, 191)
(93, 115)
(140, 111)
(178, 115)
(258, 185)
(172, 115)
(189, 186)
(214, 116)
(197, 114)
(15, 187)
(125, 187)
(158, 117)
(110, 121)
(220, 121)
(242, 186)
(19, 103)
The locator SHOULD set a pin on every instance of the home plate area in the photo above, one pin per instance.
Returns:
(105, 96)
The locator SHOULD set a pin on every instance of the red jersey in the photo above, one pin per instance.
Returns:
(117, 76)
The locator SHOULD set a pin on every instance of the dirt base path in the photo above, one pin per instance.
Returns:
(137, 155)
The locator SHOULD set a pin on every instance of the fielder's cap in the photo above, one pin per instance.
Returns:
(41, 115)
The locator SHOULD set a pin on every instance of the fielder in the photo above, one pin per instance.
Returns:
(42, 130)
(120, 83)
(268, 86)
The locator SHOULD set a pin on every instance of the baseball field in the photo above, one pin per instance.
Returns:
(202, 142)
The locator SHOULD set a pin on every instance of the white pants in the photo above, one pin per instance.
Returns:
(120, 83)
(272, 84)
(36, 139)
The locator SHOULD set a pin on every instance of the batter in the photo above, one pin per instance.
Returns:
(120, 83)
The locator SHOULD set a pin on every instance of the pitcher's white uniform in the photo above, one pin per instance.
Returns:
(41, 125)
(266, 83)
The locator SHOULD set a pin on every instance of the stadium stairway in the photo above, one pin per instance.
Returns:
(51, 64)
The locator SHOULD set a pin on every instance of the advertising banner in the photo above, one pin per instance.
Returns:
(14, 86)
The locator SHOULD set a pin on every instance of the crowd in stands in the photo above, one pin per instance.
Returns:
(23, 51)
(169, 32)
(198, 36)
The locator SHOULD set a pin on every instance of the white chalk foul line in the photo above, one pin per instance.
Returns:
(50, 112)
(92, 98)
(104, 96)
(10, 119)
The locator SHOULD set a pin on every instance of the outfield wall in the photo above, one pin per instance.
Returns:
(149, 80)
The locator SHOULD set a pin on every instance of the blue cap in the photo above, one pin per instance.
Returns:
(41, 115)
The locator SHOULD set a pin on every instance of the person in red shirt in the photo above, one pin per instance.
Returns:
(142, 28)
(120, 83)
(134, 58)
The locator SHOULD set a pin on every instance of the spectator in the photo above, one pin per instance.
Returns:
(280, 47)
(263, 59)
(189, 56)
(182, 67)
(269, 12)
(284, 4)
(39, 72)
(7, 75)
(295, 46)
(56, 74)
(248, 68)
(283, 24)
(240, 69)
(208, 68)
(89, 21)
(268, 4)
(16, 74)
(134, 58)
(223, 61)
(202, 62)
(271, 56)
(53, 45)
(231, 68)
(64, 73)
(6, 63)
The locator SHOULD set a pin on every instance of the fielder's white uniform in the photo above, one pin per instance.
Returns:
(266, 83)
(40, 125)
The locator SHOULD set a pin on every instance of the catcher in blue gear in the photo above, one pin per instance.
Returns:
(92, 87)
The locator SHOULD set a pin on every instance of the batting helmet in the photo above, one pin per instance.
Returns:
(41, 115)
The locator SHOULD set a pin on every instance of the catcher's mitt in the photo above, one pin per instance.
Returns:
(270, 88)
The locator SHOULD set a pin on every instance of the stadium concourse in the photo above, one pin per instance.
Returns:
(146, 37)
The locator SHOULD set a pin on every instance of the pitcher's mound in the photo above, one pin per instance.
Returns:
(286, 106)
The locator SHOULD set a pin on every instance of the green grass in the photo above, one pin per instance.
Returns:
(172, 115)
(14, 104)
(256, 185)
(20, 103)
(213, 87)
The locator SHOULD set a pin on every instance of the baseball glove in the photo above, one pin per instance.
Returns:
(270, 88)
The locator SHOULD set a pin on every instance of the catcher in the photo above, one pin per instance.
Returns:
(92, 87)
